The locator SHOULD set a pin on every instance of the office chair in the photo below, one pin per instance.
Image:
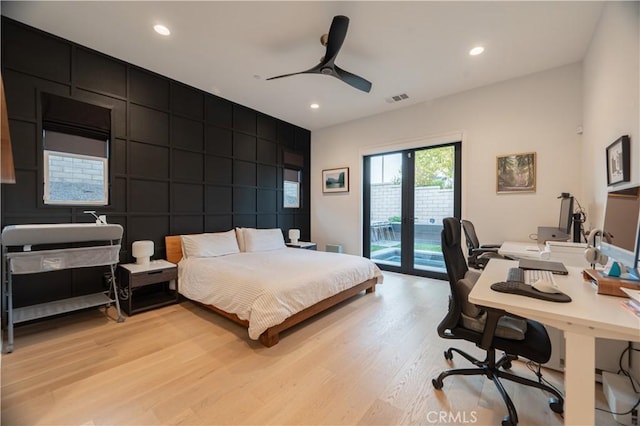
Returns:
(489, 329)
(478, 255)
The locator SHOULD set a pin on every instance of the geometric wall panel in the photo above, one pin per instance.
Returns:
(187, 101)
(219, 170)
(267, 221)
(181, 160)
(149, 196)
(187, 225)
(219, 199)
(26, 51)
(148, 89)
(244, 173)
(218, 223)
(148, 160)
(100, 73)
(148, 125)
(187, 198)
(244, 200)
(267, 151)
(186, 133)
(153, 228)
(187, 165)
(244, 147)
(245, 220)
(219, 141)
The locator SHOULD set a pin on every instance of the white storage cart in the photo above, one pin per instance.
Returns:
(19, 257)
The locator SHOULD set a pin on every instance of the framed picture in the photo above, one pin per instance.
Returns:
(516, 173)
(618, 161)
(335, 180)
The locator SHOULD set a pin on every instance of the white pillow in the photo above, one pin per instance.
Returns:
(263, 239)
(209, 245)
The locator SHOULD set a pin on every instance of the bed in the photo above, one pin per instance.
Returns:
(262, 284)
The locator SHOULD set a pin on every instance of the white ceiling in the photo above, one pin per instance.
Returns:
(418, 48)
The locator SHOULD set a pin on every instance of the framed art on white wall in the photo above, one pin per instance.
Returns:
(335, 180)
(618, 161)
(516, 173)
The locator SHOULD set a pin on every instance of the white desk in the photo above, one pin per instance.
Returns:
(530, 250)
(587, 316)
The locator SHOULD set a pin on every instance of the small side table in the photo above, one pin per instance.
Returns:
(303, 245)
(144, 287)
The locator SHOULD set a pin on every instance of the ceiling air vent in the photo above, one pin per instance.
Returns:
(397, 98)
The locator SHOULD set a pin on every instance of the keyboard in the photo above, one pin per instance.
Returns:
(529, 276)
(518, 287)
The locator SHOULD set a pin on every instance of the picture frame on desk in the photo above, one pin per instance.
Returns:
(516, 173)
(618, 161)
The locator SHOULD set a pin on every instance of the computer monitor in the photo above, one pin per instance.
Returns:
(566, 214)
(620, 230)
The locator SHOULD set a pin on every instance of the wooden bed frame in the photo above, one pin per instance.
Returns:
(271, 336)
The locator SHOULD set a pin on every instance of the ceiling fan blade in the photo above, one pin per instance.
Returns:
(337, 34)
(315, 70)
(352, 79)
(284, 75)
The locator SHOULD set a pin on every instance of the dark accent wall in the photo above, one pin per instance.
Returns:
(182, 160)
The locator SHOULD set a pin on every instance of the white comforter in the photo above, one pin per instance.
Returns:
(267, 287)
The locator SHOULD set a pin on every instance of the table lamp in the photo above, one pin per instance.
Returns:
(294, 235)
(142, 251)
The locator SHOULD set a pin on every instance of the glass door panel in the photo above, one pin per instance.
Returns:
(385, 225)
(434, 199)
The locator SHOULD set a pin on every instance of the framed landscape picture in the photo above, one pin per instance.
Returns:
(516, 173)
(335, 180)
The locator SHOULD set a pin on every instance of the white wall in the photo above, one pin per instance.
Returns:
(539, 112)
(611, 99)
(611, 107)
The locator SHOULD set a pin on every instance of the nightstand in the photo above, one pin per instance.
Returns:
(144, 287)
(304, 245)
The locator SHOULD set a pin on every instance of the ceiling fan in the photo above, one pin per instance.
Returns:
(333, 40)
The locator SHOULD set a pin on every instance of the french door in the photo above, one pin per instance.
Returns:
(406, 195)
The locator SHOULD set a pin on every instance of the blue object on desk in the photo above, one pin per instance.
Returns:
(615, 270)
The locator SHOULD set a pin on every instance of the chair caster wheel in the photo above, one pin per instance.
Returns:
(437, 383)
(507, 422)
(556, 406)
(448, 355)
(507, 365)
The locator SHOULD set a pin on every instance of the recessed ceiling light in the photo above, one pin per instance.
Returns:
(162, 30)
(314, 106)
(476, 50)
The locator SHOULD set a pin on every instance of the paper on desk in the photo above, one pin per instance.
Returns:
(634, 294)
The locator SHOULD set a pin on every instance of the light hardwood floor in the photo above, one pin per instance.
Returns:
(367, 361)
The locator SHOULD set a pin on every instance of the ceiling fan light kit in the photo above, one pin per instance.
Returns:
(333, 42)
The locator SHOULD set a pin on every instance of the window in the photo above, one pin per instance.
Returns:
(75, 179)
(291, 189)
(75, 152)
(75, 170)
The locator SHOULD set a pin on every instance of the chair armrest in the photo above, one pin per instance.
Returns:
(493, 315)
(490, 246)
(481, 250)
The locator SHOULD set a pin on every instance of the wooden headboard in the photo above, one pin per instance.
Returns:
(173, 245)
